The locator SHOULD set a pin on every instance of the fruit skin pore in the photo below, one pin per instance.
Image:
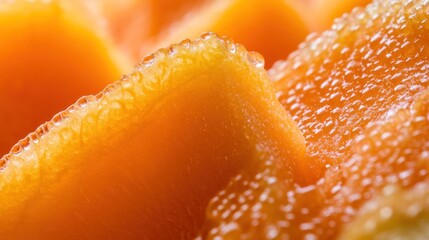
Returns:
(48, 59)
(117, 165)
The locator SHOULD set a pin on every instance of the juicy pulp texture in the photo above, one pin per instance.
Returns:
(272, 27)
(370, 64)
(394, 152)
(360, 94)
(265, 204)
(48, 59)
(143, 158)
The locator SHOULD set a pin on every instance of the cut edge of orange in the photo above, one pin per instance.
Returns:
(218, 16)
(24, 150)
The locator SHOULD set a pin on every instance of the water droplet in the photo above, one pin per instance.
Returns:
(148, 60)
(256, 59)
(209, 35)
(185, 43)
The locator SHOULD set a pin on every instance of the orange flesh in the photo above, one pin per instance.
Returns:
(47, 61)
(385, 96)
(273, 27)
(227, 124)
(143, 159)
(372, 63)
(264, 204)
(391, 153)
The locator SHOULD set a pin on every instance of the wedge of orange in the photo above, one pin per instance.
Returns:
(48, 59)
(143, 158)
(371, 63)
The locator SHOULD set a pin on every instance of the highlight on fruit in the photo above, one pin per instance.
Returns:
(214, 119)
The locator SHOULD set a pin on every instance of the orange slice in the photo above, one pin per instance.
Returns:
(143, 158)
(48, 59)
(370, 64)
(273, 27)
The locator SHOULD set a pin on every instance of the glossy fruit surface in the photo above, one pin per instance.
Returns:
(143, 158)
(48, 59)
(363, 111)
(272, 28)
(368, 66)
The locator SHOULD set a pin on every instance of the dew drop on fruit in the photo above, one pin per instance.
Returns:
(256, 59)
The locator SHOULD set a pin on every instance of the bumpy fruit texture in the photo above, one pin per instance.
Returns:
(396, 214)
(390, 152)
(48, 59)
(370, 64)
(272, 27)
(143, 158)
(264, 204)
(387, 97)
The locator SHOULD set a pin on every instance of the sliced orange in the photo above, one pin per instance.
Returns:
(370, 64)
(48, 59)
(272, 27)
(143, 158)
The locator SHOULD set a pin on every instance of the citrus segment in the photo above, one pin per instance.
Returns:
(370, 64)
(143, 158)
(48, 59)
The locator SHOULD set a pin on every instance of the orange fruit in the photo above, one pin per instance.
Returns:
(394, 152)
(370, 64)
(360, 95)
(143, 158)
(48, 59)
(273, 27)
